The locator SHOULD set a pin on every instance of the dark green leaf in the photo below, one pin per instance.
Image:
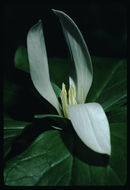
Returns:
(109, 85)
(119, 114)
(21, 59)
(12, 129)
(56, 158)
(47, 156)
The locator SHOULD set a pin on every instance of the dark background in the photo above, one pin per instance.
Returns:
(102, 23)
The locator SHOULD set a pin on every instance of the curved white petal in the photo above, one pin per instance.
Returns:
(39, 64)
(81, 72)
(91, 124)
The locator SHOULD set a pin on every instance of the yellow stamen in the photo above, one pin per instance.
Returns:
(72, 95)
(63, 96)
(71, 98)
(82, 95)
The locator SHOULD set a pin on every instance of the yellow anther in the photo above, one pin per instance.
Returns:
(63, 96)
(63, 87)
(82, 95)
(71, 98)
(72, 95)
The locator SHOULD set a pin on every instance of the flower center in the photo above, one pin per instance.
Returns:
(71, 100)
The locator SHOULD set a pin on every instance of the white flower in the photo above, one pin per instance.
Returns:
(89, 120)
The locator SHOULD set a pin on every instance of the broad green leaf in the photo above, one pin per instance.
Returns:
(102, 71)
(119, 114)
(57, 158)
(116, 88)
(12, 129)
(47, 156)
(21, 59)
(109, 85)
(112, 174)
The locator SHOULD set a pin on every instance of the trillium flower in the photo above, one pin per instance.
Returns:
(88, 119)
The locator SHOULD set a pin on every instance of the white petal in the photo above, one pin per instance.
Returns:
(91, 125)
(81, 67)
(39, 64)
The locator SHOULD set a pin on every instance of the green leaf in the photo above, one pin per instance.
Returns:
(46, 155)
(12, 129)
(21, 59)
(119, 114)
(56, 158)
(109, 84)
